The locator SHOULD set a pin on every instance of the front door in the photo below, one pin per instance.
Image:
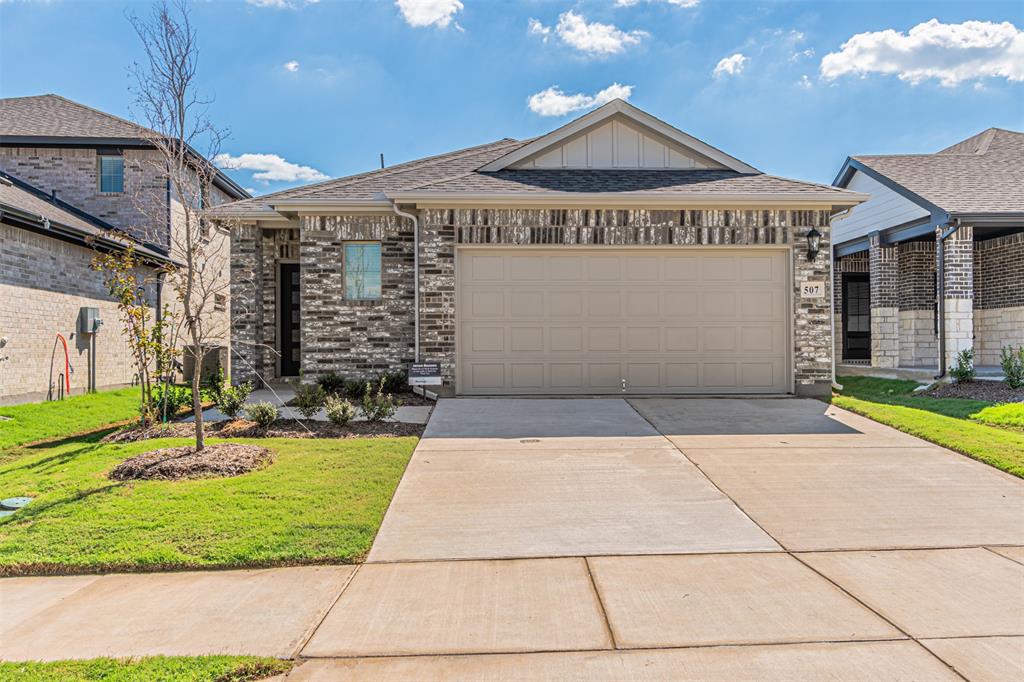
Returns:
(856, 316)
(289, 316)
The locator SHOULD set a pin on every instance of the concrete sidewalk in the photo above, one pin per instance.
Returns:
(594, 539)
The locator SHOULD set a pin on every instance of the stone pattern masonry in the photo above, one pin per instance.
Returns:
(361, 339)
(959, 292)
(883, 263)
(998, 296)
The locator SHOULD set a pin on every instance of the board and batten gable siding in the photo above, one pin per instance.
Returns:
(886, 208)
(616, 144)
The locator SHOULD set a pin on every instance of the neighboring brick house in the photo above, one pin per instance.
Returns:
(959, 211)
(614, 255)
(46, 247)
(105, 170)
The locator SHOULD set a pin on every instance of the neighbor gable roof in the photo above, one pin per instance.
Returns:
(981, 175)
(617, 109)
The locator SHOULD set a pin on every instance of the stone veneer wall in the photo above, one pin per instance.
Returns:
(883, 263)
(43, 283)
(998, 296)
(918, 340)
(959, 292)
(442, 229)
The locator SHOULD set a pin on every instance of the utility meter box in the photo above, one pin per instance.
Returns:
(89, 320)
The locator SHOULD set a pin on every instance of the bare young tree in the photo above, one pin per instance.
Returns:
(176, 116)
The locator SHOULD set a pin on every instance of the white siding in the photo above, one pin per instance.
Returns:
(884, 209)
(615, 144)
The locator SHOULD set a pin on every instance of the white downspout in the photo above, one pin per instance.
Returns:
(416, 274)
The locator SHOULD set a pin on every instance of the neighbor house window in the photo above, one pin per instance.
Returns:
(111, 174)
(362, 271)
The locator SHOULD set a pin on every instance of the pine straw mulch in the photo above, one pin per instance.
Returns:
(992, 391)
(282, 428)
(213, 461)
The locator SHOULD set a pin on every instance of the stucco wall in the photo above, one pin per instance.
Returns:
(43, 283)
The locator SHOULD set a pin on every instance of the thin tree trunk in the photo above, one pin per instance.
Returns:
(197, 399)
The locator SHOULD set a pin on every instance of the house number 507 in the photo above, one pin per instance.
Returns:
(812, 290)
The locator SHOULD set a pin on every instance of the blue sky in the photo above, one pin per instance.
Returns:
(329, 85)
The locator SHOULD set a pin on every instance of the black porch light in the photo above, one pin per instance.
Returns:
(813, 243)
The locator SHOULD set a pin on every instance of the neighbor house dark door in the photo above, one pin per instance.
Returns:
(289, 315)
(856, 316)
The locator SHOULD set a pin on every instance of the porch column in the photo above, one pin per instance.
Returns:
(246, 303)
(959, 291)
(883, 264)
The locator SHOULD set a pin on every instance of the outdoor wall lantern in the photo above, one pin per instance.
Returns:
(813, 243)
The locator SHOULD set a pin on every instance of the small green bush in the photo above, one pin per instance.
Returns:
(963, 368)
(309, 398)
(263, 413)
(339, 411)
(232, 399)
(332, 383)
(355, 389)
(1012, 362)
(170, 399)
(395, 382)
(377, 404)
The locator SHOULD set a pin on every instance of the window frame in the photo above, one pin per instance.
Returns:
(100, 157)
(345, 270)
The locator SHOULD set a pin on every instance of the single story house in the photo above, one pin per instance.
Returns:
(933, 262)
(614, 255)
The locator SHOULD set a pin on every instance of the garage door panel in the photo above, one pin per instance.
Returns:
(563, 321)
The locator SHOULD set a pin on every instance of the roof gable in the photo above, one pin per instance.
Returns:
(618, 136)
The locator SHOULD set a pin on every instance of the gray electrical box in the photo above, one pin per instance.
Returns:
(89, 321)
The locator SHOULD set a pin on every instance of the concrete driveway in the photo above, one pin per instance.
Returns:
(683, 539)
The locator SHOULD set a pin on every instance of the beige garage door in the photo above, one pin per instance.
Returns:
(612, 321)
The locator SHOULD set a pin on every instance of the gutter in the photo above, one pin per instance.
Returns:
(832, 311)
(416, 274)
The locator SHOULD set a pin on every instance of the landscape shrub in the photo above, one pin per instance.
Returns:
(263, 413)
(170, 399)
(309, 398)
(963, 369)
(232, 399)
(377, 404)
(355, 389)
(332, 383)
(1012, 362)
(339, 411)
(395, 382)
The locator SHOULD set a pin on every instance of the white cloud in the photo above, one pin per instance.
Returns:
(592, 38)
(805, 82)
(554, 102)
(268, 167)
(950, 53)
(281, 4)
(292, 66)
(539, 29)
(730, 66)
(802, 54)
(677, 3)
(419, 13)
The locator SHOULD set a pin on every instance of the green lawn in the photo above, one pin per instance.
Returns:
(322, 500)
(149, 669)
(949, 422)
(62, 418)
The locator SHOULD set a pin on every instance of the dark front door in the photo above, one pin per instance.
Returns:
(289, 316)
(856, 316)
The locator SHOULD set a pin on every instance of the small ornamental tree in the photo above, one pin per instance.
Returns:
(148, 337)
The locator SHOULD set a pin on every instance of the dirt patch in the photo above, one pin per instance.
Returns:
(217, 460)
(992, 391)
(282, 428)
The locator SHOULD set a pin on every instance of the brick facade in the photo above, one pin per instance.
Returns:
(360, 339)
(998, 296)
(47, 281)
(883, 264)
(959, 292)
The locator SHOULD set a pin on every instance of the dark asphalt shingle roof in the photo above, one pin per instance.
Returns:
(56, 116)
(22, 197)
(982, 174)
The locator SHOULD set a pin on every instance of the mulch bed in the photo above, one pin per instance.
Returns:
(169, 464)
(992, 391)
(282, 428)
(404, 399)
